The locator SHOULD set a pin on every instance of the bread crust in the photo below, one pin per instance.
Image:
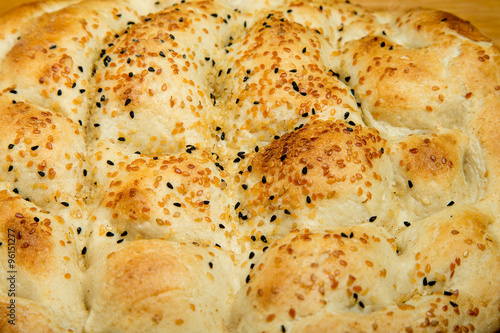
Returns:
(231, 166)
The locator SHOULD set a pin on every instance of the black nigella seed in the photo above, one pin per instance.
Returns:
(251, 255)
(447, 293)
(282, 158)
(308, 199)
(247, 279)
(263, 238)
(372, 219)
(273, 218)
(264, 179)
(127, 102)
(78, 230)
(431, 283)
(11, 146)
(121, 139)
(424, 282)
(410, 184)
(287, 212)
(343, 235)
(406, 223)
(65, 204)
(109, 234)
(222, 226)
(123, 234)
(110, 162)
(131, 113)
(84, 250)
(451, 203)
(245, 186)
(11, 168)
(41, 173)
(170, 186)
(304, 170)
(453, 304)
(253, 238)
(177, 204)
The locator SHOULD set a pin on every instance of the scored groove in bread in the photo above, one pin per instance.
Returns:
(231, 166)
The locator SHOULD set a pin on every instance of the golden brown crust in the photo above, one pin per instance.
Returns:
(236, 166)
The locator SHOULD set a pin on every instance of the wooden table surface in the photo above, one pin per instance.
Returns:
(484, 14)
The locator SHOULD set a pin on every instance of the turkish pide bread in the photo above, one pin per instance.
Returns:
(247, 166)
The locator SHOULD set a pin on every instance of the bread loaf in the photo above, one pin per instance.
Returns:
(234, 166)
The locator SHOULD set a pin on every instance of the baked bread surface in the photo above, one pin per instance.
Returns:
(234, 166)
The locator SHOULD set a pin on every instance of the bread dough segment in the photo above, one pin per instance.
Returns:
(325, 174)
(46, 264)
(181, 197)
(159, 286)
(51, 64)
(43, 158)
(435, 171)
(275, 80)
(342, 270)
(153, 85)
